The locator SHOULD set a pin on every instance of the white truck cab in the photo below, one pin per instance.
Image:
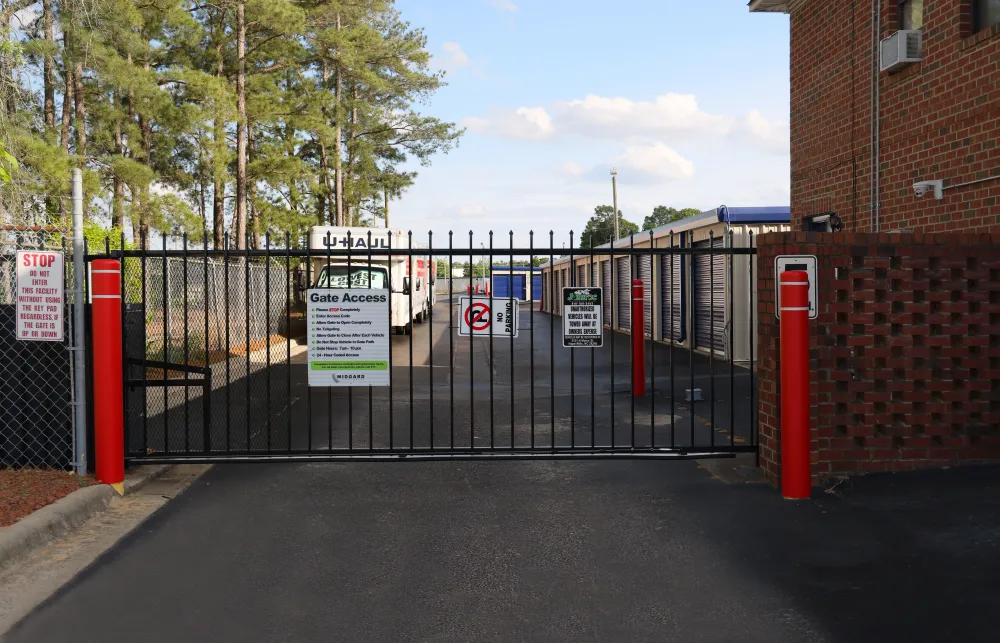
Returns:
(372, 264)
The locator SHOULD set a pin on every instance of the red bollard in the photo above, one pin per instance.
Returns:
(109, 423)
(796, 481)
(638, 340)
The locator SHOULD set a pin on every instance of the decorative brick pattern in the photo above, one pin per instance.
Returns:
(940, 119)
(905, 353)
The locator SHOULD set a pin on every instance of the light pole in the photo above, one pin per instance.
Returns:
(614, 196)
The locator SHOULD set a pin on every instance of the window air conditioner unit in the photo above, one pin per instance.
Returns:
(901, 49)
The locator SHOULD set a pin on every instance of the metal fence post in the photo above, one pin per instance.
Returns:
(79, 332)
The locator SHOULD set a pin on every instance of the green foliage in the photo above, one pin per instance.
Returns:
(160, 96)
(663, 215)
(601, 227)
(7, 164)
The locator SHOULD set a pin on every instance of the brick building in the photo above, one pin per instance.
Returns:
(905, 350)
(936, 118)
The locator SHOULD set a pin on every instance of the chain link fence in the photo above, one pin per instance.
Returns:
(199, 329)
(37, 423)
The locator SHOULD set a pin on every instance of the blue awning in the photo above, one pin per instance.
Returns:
(765, 214)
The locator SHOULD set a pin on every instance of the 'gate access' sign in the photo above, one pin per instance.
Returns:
(348, 337)
(40, 302)
(583, 317)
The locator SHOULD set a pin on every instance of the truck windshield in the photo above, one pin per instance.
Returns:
(336, 277)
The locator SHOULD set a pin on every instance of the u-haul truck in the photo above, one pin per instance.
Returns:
(378, 273)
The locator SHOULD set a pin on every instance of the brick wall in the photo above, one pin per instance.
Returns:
(940, 118)
(905, 353)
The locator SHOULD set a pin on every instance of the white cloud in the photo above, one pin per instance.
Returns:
(530, 123)
(671, 119)
(569, 168)
(454, 57)
(655, 162)
(671, 115)
(472, 210)
(504, 5)
(771, 135)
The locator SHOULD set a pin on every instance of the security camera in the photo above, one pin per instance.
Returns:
(922, 188)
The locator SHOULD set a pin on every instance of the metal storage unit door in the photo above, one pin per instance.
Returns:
(536, 287)
(501, 285)
(646, 274)
(606, 285)
(672, 305)
(624, 293)
(710, 297)
(521, 287)
(593, 274)
(581, 275)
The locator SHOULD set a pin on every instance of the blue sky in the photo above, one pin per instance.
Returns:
(688, 98)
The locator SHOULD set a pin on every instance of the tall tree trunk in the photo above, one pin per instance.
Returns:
(354, 201)
(118, 200)
(146, 127)
(251, 193)
(338, 145)
(240, 227)
(48, 72)
(67, 117)
(324, 170)
(219, 135)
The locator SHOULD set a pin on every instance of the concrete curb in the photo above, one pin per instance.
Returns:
(66, 514)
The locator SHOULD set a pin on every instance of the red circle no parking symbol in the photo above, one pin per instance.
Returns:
(477, 316)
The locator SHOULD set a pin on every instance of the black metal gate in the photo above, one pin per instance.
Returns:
(216, 365)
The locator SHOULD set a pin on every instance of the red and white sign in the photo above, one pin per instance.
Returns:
(40, 296)
(488, 317)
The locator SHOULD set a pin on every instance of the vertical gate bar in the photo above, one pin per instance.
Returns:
(187, 314)
(732, 356)
(514, 327)
(350, 389)
(267, 331)
(206, 429)
(409, 322)
(288, 336)
(125, 369)
(451, 344)
(691, 340)
(166, 350)
(225, 269)
(431, 287)
(309, 391)
(144, 246)
(489, 295)
(552, 342)
(652, 346)
(572, 353)
(754, 436)
(472, 372)
(633, 270)
(711, 354)
(371, 403)
(593, 351)
(392, 423)
(672, 345)
(329, 389)
(531, 262)
(611, 326)
(246, 311)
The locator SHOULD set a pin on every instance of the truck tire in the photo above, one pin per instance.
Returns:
(408, 328)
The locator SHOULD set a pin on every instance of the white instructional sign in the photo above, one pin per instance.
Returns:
(488, 316)
(40, 296)
(348, 337)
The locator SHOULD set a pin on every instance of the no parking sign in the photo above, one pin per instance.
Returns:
(488, 316)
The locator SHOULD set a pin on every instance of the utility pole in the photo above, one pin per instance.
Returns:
(614, 196)
(79, 331)
(386, 207)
